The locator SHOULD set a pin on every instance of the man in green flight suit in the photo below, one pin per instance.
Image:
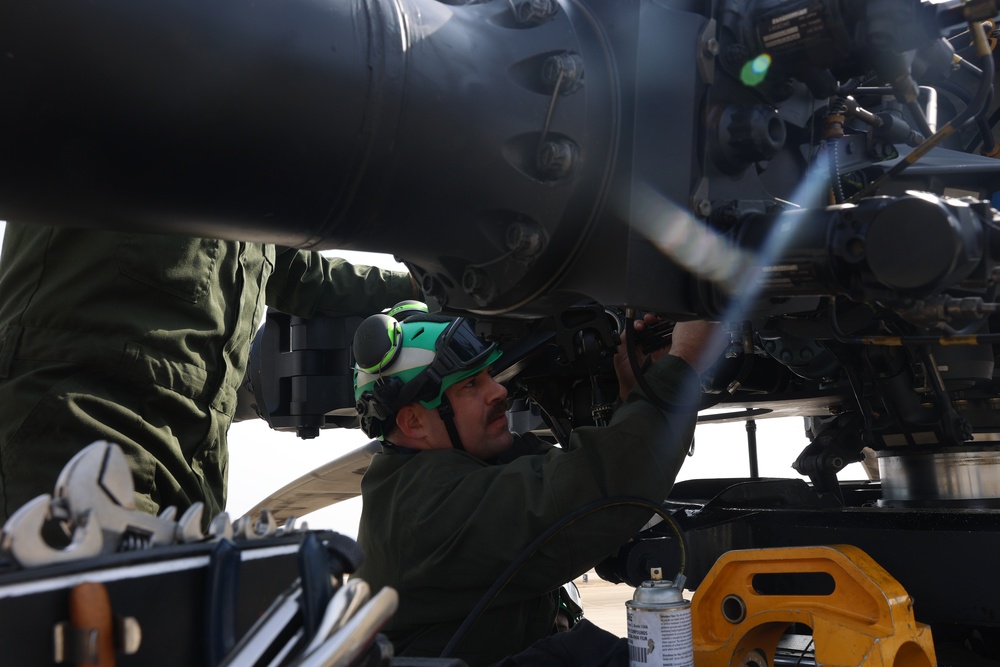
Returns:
(454, 497)
(143, 340)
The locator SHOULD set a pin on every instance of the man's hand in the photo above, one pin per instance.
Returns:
(623, 369)
(697, 342)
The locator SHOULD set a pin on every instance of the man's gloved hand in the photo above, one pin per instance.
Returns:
(623, 369)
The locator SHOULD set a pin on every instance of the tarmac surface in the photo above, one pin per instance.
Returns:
(604, 603)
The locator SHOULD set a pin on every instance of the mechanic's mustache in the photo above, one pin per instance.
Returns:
(496, 413)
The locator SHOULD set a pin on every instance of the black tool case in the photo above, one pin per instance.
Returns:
(188, 601)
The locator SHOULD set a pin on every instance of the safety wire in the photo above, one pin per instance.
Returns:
(566, 521)
(541, 141)
(551, 109)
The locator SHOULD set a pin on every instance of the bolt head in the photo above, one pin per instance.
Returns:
(555, 159)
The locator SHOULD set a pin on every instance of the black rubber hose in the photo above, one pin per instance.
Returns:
(508, 574)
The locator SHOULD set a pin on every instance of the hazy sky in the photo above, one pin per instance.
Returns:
(262, 460)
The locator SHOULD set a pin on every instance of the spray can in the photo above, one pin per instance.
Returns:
(659, 625)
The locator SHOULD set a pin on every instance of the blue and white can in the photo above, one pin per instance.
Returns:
(659, 625)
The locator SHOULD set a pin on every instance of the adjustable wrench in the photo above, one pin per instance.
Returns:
(94, 499)
(98, 481)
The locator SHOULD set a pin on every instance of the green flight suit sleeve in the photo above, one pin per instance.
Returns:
(528, 444)
(489, 516)
(305, 283)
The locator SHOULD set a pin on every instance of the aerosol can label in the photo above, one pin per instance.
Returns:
(659, 627)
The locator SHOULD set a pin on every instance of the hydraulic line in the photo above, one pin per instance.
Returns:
(967, 115)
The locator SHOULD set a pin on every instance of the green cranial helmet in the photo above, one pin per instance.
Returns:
(398, 363)
(406, 309)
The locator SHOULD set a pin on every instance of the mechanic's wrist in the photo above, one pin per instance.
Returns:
(673, 380)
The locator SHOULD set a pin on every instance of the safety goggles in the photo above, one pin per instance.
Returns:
(457, 349)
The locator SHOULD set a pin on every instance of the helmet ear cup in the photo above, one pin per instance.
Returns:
(377, 342)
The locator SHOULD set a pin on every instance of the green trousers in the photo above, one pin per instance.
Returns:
(143, 340)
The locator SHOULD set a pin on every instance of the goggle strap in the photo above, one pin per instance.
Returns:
(447, 413)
